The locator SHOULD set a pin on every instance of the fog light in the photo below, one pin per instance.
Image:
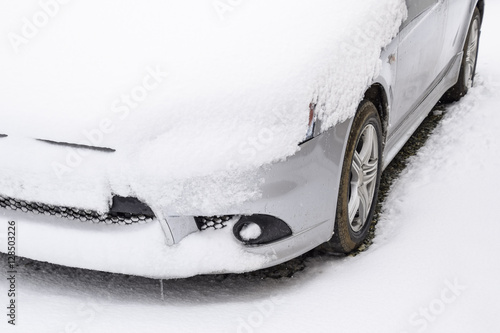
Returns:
(260, 229)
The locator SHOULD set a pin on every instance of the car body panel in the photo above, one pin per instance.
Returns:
(403, 122)
(426, 28)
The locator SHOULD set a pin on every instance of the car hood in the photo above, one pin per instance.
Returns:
(170, 92)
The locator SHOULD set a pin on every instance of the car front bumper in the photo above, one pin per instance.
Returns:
(301, 191)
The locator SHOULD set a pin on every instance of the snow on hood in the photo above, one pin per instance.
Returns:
(181, 90)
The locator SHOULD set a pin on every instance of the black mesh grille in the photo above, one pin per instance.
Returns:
(72, 213)
(212, 222)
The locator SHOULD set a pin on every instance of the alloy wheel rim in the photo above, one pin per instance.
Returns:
(363, 178)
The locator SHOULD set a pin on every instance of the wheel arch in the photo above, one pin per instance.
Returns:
(377, 95)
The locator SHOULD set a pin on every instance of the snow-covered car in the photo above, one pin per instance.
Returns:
(255, 133)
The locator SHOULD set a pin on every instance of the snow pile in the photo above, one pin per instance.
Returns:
(250, 232)
(184, 91)
(137, 249)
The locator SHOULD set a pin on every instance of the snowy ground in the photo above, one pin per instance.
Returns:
(433, 267)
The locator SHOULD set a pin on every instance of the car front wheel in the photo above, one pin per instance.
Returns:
(360, 180)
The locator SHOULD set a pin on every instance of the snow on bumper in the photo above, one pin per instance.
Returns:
(142, 249)
(137, 249)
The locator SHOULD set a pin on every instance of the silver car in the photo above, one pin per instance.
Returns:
(327, 191)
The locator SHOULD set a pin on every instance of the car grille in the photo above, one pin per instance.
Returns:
(213, 222)
(72, 213)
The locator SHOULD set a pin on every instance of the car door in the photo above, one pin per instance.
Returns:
(458, 19)
(419, 56)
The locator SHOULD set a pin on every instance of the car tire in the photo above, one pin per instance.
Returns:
(469, 62)
(360, 179)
